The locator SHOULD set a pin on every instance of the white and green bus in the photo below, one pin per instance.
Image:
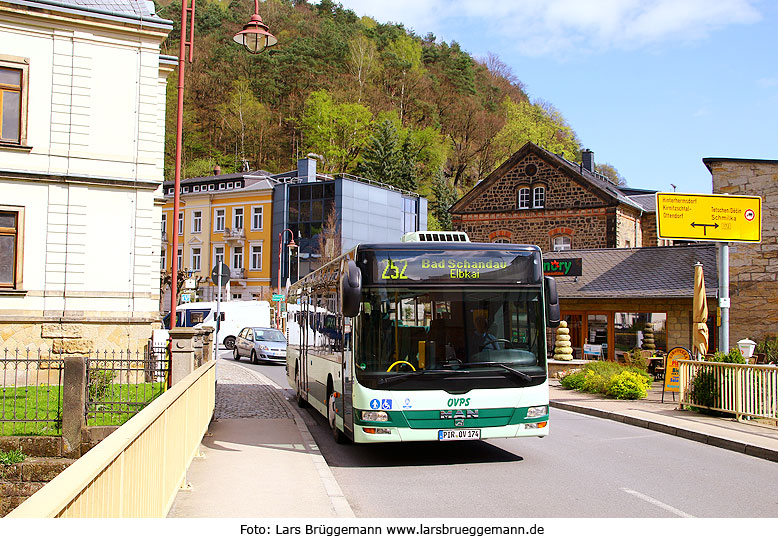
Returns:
(424, 341)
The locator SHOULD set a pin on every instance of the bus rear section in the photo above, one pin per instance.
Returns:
(445, 342)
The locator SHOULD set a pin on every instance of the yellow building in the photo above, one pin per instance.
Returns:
(222, 218)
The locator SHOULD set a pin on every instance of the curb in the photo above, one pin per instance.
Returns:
(334, 492)
(701, 437)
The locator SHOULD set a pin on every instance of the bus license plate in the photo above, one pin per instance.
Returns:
(460, 434)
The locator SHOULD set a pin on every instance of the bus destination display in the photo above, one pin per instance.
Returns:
(453, 266)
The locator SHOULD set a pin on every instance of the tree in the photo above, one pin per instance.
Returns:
(363, 60)
(380, 159)
(443, 196)
(329, 241)
(166, 282)
(611, 172)
(337, 132)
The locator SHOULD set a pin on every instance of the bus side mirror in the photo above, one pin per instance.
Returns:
(351, 287)
(552, 302)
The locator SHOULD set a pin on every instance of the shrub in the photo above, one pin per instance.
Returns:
(99, 384)
(628, 385)
(733, 357)
(573, 380)
(769, 346)
(11, 457)
(636, 359)
(704, 388)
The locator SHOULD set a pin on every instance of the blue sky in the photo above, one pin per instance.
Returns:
(651, 86)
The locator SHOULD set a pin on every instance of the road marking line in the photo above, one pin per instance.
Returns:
(664, 506)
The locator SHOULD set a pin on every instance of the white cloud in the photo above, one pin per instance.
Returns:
(552, 27)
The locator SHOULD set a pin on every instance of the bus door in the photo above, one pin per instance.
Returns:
(347, 375)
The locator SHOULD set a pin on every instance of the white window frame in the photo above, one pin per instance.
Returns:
(17, 232)
(196, 258)
(254, 215)
(253, 257)
(163, 259)
(195, 188)
(185, 189)
(217, 218)
(229, 185)
(238, 215)
(561, 246)
(180, 258)
(523, 198)
(539, 197)
(237, 257)
(180, 223)
(197, 221)
(222, 185)
(216, 258)
(164, 223)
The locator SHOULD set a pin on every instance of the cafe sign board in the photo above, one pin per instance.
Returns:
(709, 217)
(673, 368)
(562, 267)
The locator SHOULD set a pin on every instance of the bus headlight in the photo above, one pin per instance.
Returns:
(537, 411)
(379, 416)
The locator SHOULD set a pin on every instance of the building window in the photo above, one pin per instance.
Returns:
(229, 185)
(637, 330)
(256, 257)
(538, 197)
(238, 184)
(170, 191)
(180, 223)
(164, 224)
(185, 189)
(256, 218)
(180, 258)
(218, 254)
(163, 259)
(219, 219)
(11, 225)
(523, 198)
(195, 259)
(501, 240)
(195, 188)
(237, 218)
(211, 188)
(561, 243)
(237, 257)
(221, 185)
(410, 215)
(13, 99)
(197, 221)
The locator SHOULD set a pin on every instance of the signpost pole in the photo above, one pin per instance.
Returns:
(724, 296)
(218, 317)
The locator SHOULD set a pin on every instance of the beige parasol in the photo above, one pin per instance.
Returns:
(700, 341)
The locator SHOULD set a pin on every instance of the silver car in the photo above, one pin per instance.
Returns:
(260, 344)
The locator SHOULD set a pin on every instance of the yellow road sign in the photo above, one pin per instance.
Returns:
(720, 218)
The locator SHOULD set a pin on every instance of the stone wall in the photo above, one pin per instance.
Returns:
(75, 338)
(753, 268)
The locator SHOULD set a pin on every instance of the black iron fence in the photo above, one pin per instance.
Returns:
(30, 392)
(118, 385)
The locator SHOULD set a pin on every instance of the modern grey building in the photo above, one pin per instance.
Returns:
(365, 211)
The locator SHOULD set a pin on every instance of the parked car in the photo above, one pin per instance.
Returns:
(260, 344)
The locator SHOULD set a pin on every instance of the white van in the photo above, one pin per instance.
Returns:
(235, 316)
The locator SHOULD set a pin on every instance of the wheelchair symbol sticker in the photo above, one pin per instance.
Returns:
(386, 404)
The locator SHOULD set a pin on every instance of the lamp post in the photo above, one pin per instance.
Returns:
(256, 38)
(291, 244)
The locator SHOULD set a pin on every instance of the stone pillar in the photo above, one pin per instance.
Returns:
(182, 353)
(73, 405)
(207, 343)
(197, 345)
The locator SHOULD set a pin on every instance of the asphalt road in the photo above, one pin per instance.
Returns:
(587, 467)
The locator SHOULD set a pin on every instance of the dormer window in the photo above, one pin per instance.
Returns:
(538, 197)
(523, 198)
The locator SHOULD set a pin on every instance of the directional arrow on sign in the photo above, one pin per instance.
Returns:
(705, 227)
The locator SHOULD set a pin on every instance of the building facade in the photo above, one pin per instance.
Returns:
(222, 218)
(536, 197)
(753, 268)
(81, 165)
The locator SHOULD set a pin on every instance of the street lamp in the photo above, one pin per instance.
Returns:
(291, 245)
(256, 38)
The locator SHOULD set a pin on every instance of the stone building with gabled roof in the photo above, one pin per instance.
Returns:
(537, 197)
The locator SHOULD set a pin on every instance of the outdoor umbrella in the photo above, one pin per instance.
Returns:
(700, 342)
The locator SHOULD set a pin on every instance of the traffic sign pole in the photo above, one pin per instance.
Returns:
(724, 296)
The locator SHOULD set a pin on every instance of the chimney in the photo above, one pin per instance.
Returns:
(306, 169)
(217, 170)
(587, 160)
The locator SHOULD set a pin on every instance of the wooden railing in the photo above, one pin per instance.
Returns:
(743, 389)
(137, 470)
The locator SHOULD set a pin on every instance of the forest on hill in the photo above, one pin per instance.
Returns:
(369, 99)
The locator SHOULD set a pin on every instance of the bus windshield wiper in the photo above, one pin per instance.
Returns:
(523, 376)
(391, 378)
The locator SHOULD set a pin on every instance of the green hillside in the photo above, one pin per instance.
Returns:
(369, 99)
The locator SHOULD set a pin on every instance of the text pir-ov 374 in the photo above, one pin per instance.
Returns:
(711, 217)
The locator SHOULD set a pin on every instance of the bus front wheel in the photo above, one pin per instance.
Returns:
(337, 435)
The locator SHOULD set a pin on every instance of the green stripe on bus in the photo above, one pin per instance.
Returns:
(422, 419)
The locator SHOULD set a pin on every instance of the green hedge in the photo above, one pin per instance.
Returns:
(610, 379)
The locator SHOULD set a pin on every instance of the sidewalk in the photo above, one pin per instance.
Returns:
(258, 458)
(744, 437)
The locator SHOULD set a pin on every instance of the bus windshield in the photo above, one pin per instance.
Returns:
(450, 338)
